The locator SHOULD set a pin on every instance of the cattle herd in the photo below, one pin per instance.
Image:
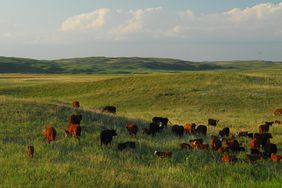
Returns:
(225, 143)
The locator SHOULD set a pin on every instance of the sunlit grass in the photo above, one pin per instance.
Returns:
(241, 101)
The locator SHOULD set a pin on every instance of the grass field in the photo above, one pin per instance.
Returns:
(240, 100)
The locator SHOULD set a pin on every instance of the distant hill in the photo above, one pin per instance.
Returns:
(122, 65)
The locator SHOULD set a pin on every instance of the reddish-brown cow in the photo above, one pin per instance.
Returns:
(50, 134)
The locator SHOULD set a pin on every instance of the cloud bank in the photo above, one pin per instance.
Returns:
(261, 21)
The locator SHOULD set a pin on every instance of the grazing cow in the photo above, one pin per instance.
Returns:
(269, 149)
(189, 128)
(262, 138)
(226, 158)
(106, 136)
(197, 144)
(201, 129)
(178, 130)
(30, 150)
(264, 128)
(277, 122)
(160, 121)
(109, 109)
(278, 112)
(196, 140)
(253, 157)
(275, 158)
(126, 145)
(154, 128)
(132, 129)
(75, 104)
(163, 154)
(224, 132)
(50, 134)
(215, 143)
(212, 122)
(234, 146)
(75, 119)
(185, 146)
(74, 130)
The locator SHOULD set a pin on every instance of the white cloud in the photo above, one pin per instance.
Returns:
(262, 20)
(93, 20)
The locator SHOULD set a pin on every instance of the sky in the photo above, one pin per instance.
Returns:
(196, 30)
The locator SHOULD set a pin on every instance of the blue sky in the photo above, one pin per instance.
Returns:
(196, 30)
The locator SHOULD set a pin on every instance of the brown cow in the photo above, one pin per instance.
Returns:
(163, 153)
(278, 112)
(185, 146)
(276, 158)
(74, 130)
(50, 134)
(75, 104)
(189, 128)
(199, 145)
(30, 151)
(132, 129)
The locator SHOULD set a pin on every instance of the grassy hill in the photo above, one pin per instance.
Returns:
(240, 100)
(122, 65)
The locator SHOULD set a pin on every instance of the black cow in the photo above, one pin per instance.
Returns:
(212, 122)
(109, 109)
(201, 129)
(262, 138)
(154, 128)
(269, 148)
(224, 132)
(106, 136)
(178, 130)
(160, 121)
(130, 145)
(269, 123)
(75, 119)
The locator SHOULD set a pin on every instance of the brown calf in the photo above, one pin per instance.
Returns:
(132, 129)
(185, 146)
(75, 104)
(163, 153)
(30, 151)
(50, 134)
(189, 128)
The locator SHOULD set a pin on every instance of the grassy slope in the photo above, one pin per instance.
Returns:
(240, 100)
(123, 65)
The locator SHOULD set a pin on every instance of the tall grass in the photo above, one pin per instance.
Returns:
(240, 100)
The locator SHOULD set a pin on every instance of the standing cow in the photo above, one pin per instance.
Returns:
(50, 134)
(74, 130)
(106, 136)
(160, 121)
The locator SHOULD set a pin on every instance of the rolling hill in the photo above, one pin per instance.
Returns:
(122, 65)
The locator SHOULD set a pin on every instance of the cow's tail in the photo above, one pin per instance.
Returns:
(170, 122)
